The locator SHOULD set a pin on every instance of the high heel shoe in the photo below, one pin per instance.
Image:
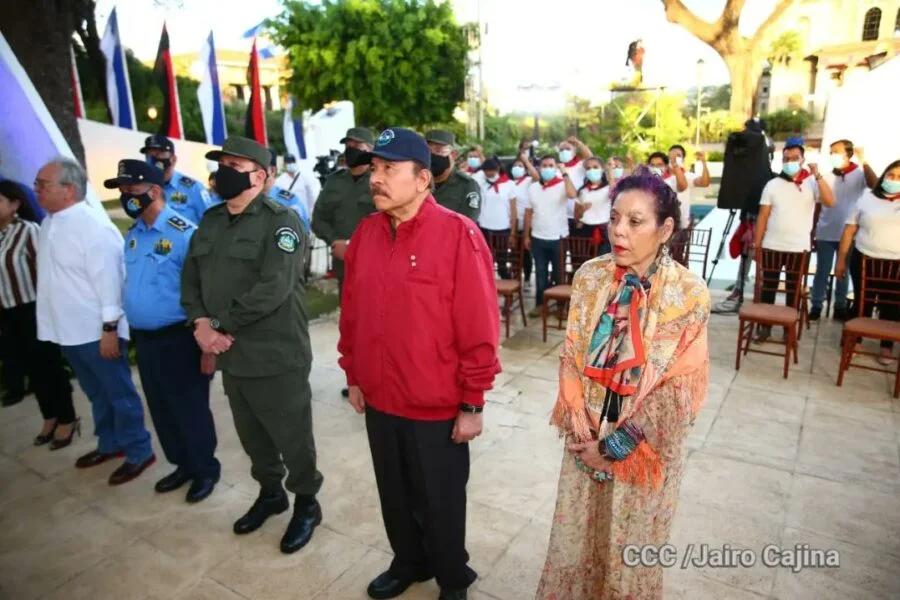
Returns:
(57, 443)
(44, 438)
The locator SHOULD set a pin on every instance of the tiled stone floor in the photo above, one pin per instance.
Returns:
(771, 461)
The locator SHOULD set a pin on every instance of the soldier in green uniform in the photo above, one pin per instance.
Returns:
(345, 200)
(453, 189)
(243, 289)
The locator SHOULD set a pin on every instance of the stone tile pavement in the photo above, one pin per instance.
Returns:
(772, 461)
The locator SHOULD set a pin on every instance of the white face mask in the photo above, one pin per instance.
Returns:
(837, 160)
(291, 168)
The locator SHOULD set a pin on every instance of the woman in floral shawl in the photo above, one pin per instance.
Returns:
(634, 372)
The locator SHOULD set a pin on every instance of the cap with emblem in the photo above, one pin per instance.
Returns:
(242, 147)
(399, 144)
(135, 171)
(440, 136)
(158, 142)
(359, 134)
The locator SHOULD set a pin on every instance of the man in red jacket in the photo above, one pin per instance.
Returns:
(419, 335)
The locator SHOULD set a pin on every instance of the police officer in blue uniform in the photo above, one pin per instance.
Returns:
(284, 197)
(174, 373)
(186, 196)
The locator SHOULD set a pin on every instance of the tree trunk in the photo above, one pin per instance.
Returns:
(743, 68)
(39, 33)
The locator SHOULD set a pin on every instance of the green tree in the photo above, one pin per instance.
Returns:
(785, 48)
(398, 61)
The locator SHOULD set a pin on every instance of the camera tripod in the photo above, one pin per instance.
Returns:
(742, 268)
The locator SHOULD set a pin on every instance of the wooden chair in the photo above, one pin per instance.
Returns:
(680, 247)
(880, 280)
(578, 251)
(760, 314)
(698, 251)
(509, 289)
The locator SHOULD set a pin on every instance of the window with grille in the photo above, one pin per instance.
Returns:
(871, 24)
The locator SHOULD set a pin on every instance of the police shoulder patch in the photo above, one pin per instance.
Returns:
(185, 180)
(132, 243)
(287, 240)
(474, 199)
(179, 223)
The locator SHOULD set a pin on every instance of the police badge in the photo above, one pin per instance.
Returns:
(163, 247)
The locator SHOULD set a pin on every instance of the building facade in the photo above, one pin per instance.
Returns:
(232, 69)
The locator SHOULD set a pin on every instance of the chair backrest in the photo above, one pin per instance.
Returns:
(880, 279)
(680, 247)
(698, 251)
(503, 254)
(574, 252)
(773, 261)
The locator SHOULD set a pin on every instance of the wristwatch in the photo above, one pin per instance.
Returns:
(111, 326)
(214, 323)
(468, 408)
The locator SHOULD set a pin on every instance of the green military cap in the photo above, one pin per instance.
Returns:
(242, 147)
(441, 136)
(359, 134)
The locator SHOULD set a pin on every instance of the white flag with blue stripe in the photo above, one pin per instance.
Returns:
(118, 86)
(209, 95)
(293, 132)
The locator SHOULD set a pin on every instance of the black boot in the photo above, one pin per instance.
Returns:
(307, 516)
(269, 503)
(388, 585)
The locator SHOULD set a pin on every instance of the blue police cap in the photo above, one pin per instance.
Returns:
(158, 142)
(399, 144)
(135, 171)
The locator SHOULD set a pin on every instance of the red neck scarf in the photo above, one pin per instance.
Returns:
(797, 179)
(593, 187)
(521, 179)
(573, 162)
(892, 197)
(846, 170)
(501, 179)
(551, 183)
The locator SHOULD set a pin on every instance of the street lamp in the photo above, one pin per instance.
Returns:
(700, 64)
(151, 112)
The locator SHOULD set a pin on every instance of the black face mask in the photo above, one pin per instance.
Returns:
(230, 182)
(134, 204)
(160, 163)
(439, 164)
(355, 157)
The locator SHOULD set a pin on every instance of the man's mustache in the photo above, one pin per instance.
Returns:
(378, 191)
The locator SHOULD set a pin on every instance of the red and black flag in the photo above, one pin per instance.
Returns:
(170, 124)
(255, 122)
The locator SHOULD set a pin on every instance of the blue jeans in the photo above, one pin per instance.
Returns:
(115, 404)
(545, 252)
(825, 252)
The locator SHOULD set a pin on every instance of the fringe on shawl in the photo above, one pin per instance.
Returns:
(641, 468)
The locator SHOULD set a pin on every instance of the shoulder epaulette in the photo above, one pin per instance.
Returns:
(185, 180)
(179, 223)
(273, 205)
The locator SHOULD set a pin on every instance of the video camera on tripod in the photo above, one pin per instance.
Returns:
(326, 165)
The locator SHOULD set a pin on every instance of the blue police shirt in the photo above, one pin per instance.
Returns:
(154, 256)
(289, 199)
(188, 197)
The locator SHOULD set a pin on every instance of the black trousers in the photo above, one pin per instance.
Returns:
(42, 362)
(177, 393)
(527, 260)
(770, 277)
(887, 312)
(421, 475)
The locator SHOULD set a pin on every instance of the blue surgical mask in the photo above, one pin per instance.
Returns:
(548, 173)
(594, 175)
(474, 162)
(891, 186)
(518, 172)
(791, 168)
(566, 155)
(656, 171)
(618, 172)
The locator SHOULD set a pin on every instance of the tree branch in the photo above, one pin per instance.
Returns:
(731, 14)
(767, 25)
(678, 13)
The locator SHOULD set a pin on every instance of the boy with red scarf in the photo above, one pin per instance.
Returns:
(848, 180)
(573, 163)
(786, 209)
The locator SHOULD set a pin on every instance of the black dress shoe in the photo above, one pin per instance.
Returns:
(454, 595)
(387, 585)
(94, 458)
(128, 471)
(200, 489)
(172, 481)
(264, 507)
(307, 516)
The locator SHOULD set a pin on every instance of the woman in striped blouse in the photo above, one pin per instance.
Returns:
(18, 292)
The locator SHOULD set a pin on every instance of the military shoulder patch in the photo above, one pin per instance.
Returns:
(474, 199)
(287, 240)
(185, 180)
(179, 223)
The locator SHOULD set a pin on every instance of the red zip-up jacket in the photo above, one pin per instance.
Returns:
(420, 322)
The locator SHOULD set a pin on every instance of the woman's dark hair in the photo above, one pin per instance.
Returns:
(878, 190)
(14, 191)
(667, 204)
(662, 155)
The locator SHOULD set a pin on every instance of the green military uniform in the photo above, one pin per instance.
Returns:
(245, 273)
(343, 201)
(459, 192)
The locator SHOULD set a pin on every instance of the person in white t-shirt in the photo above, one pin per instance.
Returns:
(875, 223)
(520, 178)
(572, 153)
(677, 156)
(786, 211)
(546, 223)
(593, 208)
(306, 188)
(473, 164)
(498, 214)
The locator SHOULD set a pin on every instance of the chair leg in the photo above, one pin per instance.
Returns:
(507, 304)
(897, 381)
(751, 328)
(737, 358)
(544, 315)
(793, 348)
(842, 366)
(791, 334)
(522, 309)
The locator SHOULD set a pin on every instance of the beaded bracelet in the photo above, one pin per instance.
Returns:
(621, 442)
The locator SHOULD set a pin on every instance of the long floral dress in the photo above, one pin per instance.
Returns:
(595, 520)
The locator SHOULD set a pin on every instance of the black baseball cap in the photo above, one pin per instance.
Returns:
(135, 171)
(158, 142)
(289, 158)
(399, 144)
